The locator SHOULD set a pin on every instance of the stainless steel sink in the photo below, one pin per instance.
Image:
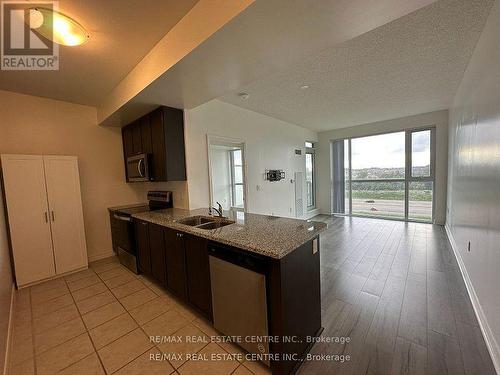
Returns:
(205, 222)
(194, 221)
(215, 224)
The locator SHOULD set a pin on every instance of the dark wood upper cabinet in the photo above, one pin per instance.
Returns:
(143, 246)
(175, 258)
(128, 142)
(137, 137)
(173, 127)
(160, 134)
(157, 245)
(145, 126)
(158, 162)
(198, 274)
(167, 135)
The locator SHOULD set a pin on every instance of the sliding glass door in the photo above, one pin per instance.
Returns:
(388, 175)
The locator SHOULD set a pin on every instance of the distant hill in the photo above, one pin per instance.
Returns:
(381, 173)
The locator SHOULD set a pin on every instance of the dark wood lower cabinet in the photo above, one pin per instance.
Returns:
(294, 298)
(198, 274)
(175, 257)
(177, 261)
(157, 246)
(143, 249)
(180, 262)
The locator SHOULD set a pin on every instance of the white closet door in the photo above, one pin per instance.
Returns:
(27, 208)
(66, 214)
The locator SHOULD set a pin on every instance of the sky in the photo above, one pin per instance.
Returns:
(388, 150)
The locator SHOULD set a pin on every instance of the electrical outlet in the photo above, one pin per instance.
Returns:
(468, 246)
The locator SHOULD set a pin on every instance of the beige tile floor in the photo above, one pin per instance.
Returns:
(99, 321)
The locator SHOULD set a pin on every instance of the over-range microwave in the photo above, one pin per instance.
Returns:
(138, 168)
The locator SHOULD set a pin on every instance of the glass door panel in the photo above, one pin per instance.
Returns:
(381, 199)
(309, 179)
(421, 154)
(420, 201)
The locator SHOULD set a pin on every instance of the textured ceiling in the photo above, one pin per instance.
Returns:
(409, 66)
(88, 72)
(265, 38)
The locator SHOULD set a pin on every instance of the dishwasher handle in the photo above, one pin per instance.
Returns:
(122, 218)
(239, 257)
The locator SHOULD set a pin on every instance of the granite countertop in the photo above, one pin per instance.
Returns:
(271, 236)
(117, 208)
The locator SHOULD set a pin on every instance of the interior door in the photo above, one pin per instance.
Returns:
(66, 213)
(27, 208)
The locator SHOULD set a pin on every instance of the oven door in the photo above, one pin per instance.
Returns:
(138, 168)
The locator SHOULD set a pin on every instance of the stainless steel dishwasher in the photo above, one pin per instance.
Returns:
(239, 299)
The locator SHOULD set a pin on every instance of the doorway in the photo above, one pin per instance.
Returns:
(227, 173)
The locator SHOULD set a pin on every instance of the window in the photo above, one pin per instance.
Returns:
(421, 153)
(236, 178)
(310, 176)
(389, 175)
(379, 157)
(420, 185)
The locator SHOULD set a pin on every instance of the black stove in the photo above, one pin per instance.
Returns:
(158, 200)
(122, 226)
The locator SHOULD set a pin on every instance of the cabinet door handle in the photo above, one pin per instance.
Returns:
(46, 217)
(180, 235)
(53, 216)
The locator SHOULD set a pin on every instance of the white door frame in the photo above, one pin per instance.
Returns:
(213, 139)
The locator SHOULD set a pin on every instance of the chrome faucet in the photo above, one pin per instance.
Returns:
(218, 210)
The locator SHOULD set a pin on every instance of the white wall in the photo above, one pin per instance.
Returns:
(5, 283)
(269, 144)
(438, 119)
(34, 125)
(474, 179)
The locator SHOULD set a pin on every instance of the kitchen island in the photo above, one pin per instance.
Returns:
(176, 248)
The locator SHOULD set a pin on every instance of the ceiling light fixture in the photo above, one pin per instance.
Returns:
(243, 95)
(57, 27)
(304, 87)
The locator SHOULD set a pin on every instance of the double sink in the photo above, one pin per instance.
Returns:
(205, 222)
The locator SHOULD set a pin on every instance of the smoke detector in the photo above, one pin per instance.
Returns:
(244, 95)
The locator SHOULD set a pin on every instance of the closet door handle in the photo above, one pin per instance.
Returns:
(46, 217)
(53, 216)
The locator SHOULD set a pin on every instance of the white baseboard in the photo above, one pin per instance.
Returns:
(103, 255)
(6, 364)
(489, 338)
